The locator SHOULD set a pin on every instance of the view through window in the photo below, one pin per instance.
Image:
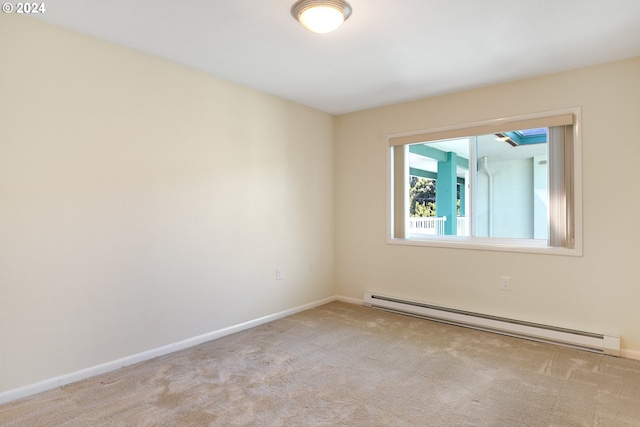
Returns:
(511, 186)
(500, 185)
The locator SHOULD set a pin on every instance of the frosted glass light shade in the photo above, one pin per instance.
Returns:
(321, 19)
(321, 16)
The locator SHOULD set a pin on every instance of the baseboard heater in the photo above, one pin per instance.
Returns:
(594, 342)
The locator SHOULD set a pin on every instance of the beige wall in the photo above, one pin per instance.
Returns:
(599, 291)
(143, 203)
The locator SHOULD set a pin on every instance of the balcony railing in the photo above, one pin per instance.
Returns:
(433, 225)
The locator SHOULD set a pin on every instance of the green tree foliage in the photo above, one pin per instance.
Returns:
(422, 197)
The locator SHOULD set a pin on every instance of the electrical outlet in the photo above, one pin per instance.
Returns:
(278, 273)
(310, 266)
(505, 283)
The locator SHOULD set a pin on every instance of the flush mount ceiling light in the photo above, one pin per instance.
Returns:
(321, 16)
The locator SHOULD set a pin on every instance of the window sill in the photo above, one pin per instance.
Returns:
(499, 245)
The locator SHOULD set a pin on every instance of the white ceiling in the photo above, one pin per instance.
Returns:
(389, 51)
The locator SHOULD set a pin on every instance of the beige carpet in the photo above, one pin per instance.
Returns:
(347, 365)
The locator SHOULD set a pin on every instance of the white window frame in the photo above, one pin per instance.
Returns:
(490, 243)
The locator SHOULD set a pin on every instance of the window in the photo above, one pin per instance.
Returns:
(507, 184)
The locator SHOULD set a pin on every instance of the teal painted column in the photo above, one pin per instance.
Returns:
(446, 193)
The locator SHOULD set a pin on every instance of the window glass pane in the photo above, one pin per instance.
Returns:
(511, 187)
(439, 186)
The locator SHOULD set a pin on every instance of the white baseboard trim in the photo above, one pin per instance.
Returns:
(630, 354)
(349, 300)
(53, 383)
